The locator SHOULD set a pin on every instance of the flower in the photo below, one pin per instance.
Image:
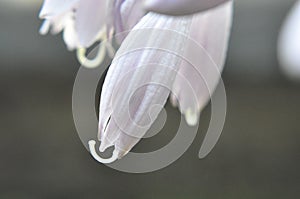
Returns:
(289, 44)
(60, 17)
(141, 79)
(150, 64)
(84, 22)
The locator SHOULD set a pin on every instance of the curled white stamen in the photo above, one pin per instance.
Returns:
(104, 46)
(114, 157)
(95, 62)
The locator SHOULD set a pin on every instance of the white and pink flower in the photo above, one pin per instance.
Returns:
(157, 74)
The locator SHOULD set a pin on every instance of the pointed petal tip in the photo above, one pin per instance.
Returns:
(105, 144)
(191, 117)
(45, 27)
(42, 14)
(120, 152)
(174, 100)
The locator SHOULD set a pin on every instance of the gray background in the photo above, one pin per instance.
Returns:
(41, 155)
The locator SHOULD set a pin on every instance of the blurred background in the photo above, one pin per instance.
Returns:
(41, 155)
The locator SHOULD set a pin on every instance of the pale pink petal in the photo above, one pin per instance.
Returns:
(60, 22)
(206, 52)
(113, 15)
(289, 44)
(70, 36)
(180, 7)
(59, 16)
(131, 12)
(56, 7)
(139, 80)
(90, 20)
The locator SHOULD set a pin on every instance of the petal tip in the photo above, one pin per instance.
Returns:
(105, 144)
(191, 117)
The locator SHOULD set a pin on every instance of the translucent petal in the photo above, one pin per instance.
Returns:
(140, 78)
(131, 12)
(60, 22)
(90, 19)
(206, 52)
(69, 35)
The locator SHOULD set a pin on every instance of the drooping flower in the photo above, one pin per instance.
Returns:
(150, 64)
(140, 79)
(137, 80)
(289, 44)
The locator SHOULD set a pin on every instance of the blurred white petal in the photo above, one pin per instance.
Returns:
(56, 7)
(90, 19)
(59, 16)
(289, 44)
(70, 36)
(111, 21)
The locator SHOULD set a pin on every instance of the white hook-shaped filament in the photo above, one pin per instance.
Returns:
(104, 46)
(91, 63)
(114, 157)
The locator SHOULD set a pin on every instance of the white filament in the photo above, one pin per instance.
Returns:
(100, 56)
(91, 63)
(114, 157)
